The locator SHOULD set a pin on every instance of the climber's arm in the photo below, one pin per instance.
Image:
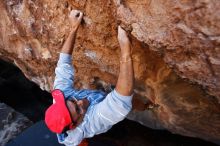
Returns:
(69, 43)
(117, 103)
(64, 70)
(75, 19)
(125, 81)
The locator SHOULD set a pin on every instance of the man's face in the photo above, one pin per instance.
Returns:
(77, 109)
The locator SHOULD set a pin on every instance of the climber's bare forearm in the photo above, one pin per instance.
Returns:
(125, 83)
(69, 43)
(75, 18)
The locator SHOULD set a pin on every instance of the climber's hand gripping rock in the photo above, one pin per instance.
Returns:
(75, 18)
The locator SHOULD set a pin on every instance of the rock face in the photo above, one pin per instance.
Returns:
(176, 54)
(11, 123)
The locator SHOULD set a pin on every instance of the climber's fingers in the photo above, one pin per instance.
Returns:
(76, 14)
(123, 39)
(121, 32)
(80, 16)
(75, 17)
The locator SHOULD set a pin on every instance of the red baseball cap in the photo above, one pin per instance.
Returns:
(57, 116)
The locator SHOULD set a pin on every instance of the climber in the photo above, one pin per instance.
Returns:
(78, 114)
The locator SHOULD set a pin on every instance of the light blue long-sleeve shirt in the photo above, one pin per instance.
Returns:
(104, 110)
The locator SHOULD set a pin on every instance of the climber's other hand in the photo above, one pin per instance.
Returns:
(75, 17)
(124, 41)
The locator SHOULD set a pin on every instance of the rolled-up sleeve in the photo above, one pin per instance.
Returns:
(115, 107)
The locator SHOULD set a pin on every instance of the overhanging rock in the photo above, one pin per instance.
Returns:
(176, 53)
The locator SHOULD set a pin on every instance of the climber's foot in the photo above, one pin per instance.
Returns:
(75, 17)
(124, 42)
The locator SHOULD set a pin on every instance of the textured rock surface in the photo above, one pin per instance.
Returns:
(11, 123)
(176, 53)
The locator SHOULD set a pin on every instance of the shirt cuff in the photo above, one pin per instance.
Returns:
(127, 99)
(65, 58)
